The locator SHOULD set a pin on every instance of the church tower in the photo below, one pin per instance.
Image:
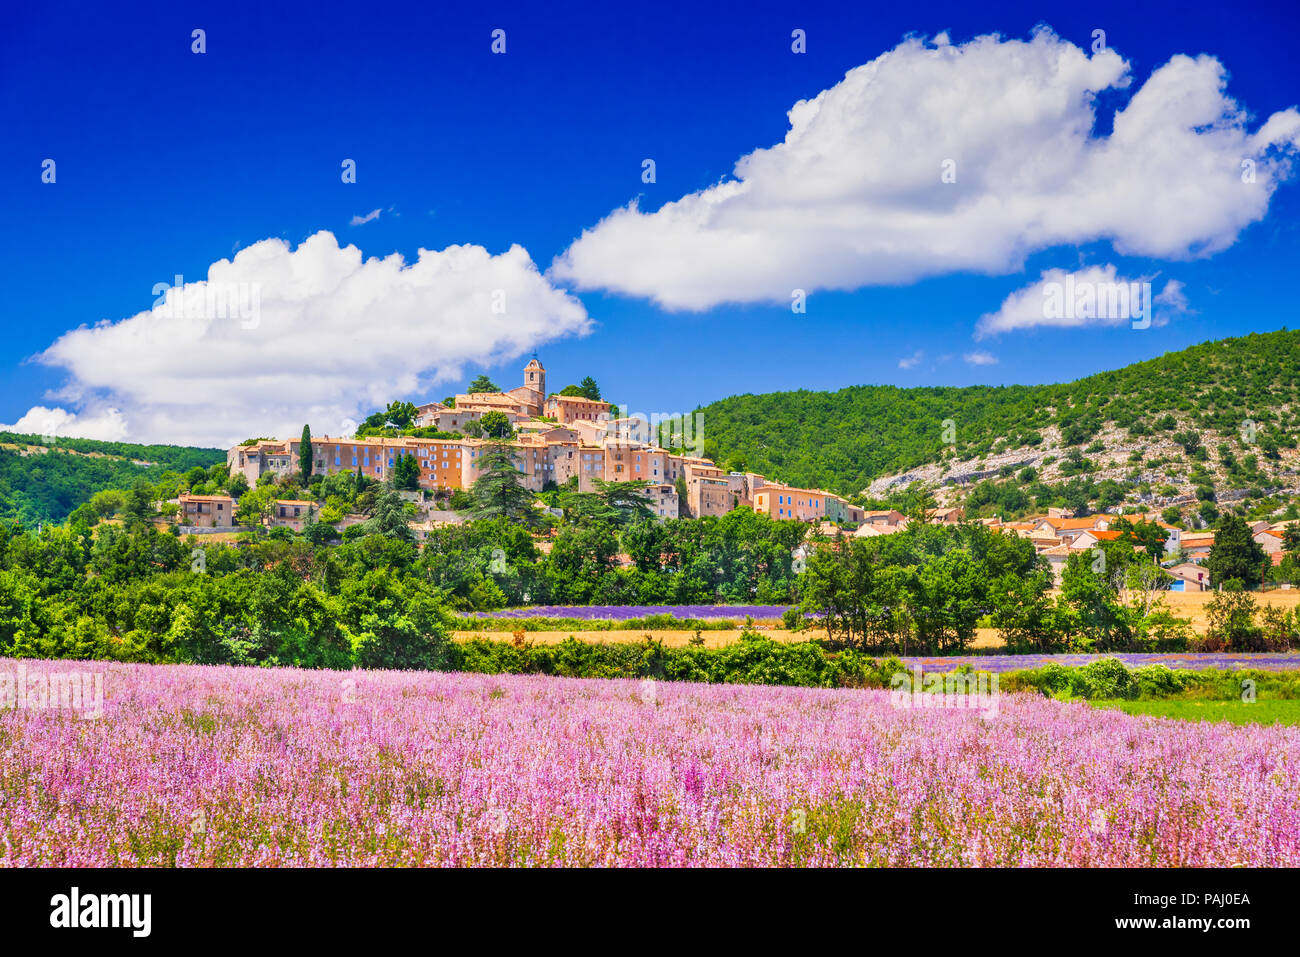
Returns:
(535, 377)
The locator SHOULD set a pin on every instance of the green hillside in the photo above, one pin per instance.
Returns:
(44, 482)
(842, 440)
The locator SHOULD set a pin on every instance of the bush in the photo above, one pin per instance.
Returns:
(1108, 678)
(1159, 681)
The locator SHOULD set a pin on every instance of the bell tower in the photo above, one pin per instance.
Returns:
(535, 376)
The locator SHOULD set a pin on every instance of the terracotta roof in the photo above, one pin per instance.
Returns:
(1072, 524)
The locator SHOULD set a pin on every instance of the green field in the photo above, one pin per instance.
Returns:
(1277, 711)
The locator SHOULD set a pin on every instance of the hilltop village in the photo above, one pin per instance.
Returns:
(556, 438)
(575, 440)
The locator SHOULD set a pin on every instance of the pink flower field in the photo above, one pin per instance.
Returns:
(198, 766)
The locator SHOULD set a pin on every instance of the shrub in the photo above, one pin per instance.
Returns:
(1159, 681)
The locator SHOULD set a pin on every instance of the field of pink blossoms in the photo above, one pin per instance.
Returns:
(217, 766)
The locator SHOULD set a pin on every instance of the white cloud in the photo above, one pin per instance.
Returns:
(854, 197)
(910, 362)
(1094, 296)
(981, 358)
(333, 337)
(1173, 298)
(359, 220)
(107, 424)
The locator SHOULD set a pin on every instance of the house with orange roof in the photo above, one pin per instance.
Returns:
(1091, 538)
(1071, 528)
(1269, 539)
(1197, 545)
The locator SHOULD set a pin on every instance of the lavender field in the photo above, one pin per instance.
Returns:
(191, 765)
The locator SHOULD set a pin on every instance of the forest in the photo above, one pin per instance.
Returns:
(46, 486)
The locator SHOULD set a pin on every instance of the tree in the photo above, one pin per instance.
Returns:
(317, 532)
(496, 425)
(1146, 582)
(1148, 535)
(1090, 592)
(255, 505)
(1291, 539)
(1189, 441)
(394, 625)
(388, 516)
(108, 502)
(612, 503)
(482, 384)
(237, 485)
(400, 414)
(572, 390)
(138, 507)
(499, 490)
(1235, 554)
(1232, 619)
(625, 502)
(304, 455)
(920, 503)
(406, 472)
(589, 389)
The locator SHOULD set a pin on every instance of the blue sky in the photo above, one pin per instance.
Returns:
(169, 161)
